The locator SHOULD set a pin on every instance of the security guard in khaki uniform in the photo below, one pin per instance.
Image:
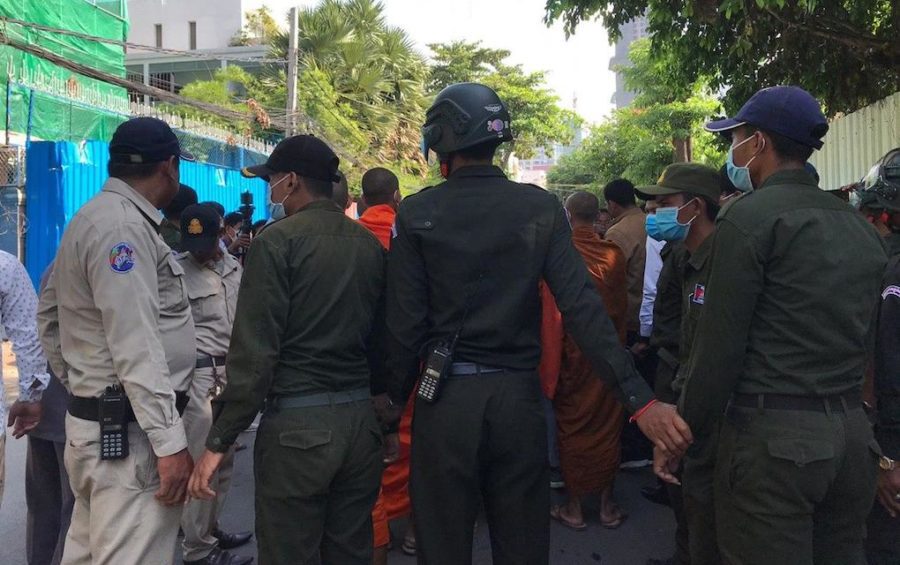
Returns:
(307, 309)
(688, 198)
(212, 278)
(781, 354)
(115, 318)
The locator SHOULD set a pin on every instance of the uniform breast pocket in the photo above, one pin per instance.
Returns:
(204, 306)
(173, 293)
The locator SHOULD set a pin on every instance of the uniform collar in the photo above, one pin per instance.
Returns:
(629, 212)
(699, 257)
(790, 176)
(124, 189)
(325, 204)
(478, 171)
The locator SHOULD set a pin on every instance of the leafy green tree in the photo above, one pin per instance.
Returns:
(845, 52)
(259, 29)
(662, 125)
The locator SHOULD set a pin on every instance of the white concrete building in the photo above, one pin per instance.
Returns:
(188, 25)
(631, 32)
(204, 27)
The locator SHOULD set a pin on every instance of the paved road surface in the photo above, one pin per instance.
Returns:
(646, 533)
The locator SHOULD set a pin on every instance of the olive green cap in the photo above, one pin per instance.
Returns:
(690, 178)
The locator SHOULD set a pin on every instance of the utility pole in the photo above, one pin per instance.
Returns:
(292, 75)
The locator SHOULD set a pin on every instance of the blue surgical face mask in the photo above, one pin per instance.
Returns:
(739, 176)
(276, 209)
(664, 225)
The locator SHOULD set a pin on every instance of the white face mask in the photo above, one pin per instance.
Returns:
(276, 209)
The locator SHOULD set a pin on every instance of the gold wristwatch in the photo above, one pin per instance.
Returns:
(886, 463)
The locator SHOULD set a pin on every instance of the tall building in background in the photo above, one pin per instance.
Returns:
(631, 32)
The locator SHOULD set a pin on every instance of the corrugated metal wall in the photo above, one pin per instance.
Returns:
(856, 141)
(62, 176)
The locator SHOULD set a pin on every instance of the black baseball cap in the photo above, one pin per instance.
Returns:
(786, 110)
(306, 155)
(200, 225)
(145, 140)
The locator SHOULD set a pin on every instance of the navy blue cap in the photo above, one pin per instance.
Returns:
(200, 226)
(786, 110)
(145, 140)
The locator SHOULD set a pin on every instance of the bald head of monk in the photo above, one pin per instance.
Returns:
(380, 186)
(583, 208)
(340, 192)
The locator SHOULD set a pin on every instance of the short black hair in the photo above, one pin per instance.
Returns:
(183, 198)
(233, 218)
(131, 171)
(485, 150)
(215, 206)
(379, 185)
(257, 226)
(318, 187)
(786, 148)
(620, 191)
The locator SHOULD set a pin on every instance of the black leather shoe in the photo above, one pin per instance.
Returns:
(231, 541)
(657, 494)
(220, 557)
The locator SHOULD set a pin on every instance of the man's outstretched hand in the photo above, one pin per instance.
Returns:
(664, 427)
(665, 467)
(207, 465)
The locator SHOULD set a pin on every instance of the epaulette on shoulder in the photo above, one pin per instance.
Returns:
(727, 208)
(420, 191)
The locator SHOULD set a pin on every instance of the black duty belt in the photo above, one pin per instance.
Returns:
(837, 403)
(209, 361)
(88, 408)
(319, 399)
(464, 369)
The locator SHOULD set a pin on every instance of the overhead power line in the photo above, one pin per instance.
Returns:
(129, 45)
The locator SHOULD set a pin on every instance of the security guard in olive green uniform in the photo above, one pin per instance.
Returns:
(212, 278)
(115, 313)
(688, 199)
(307, 307)
(781, 354)
(463, 276)
(883, 540)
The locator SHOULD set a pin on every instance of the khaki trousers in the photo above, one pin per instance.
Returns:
(116, 519)
(200, 516)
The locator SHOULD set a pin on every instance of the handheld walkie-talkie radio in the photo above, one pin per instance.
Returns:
(440, 357)
(113, 427)
(437, 367)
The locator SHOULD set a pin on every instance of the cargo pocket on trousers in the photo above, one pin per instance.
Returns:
(801, 452)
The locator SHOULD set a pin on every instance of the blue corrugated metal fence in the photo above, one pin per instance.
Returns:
(62, 176)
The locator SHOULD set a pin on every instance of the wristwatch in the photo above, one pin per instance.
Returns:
(886, 463)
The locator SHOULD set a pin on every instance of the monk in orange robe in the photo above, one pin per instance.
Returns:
(588, 414)
(381, 194)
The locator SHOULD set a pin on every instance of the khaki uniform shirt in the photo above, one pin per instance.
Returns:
(629, 232)
(213, 291)
(116, 311)
(793, 286)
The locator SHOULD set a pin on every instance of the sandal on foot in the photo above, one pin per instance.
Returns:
(409, 546)
(556, 514)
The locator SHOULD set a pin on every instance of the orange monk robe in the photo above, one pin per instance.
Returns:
(589, 416)
(380, 221)
(393, 499)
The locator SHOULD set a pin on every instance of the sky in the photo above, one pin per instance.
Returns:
(578, 66)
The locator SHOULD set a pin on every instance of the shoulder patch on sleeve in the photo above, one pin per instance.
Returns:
(891, 290)
(121, 257)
